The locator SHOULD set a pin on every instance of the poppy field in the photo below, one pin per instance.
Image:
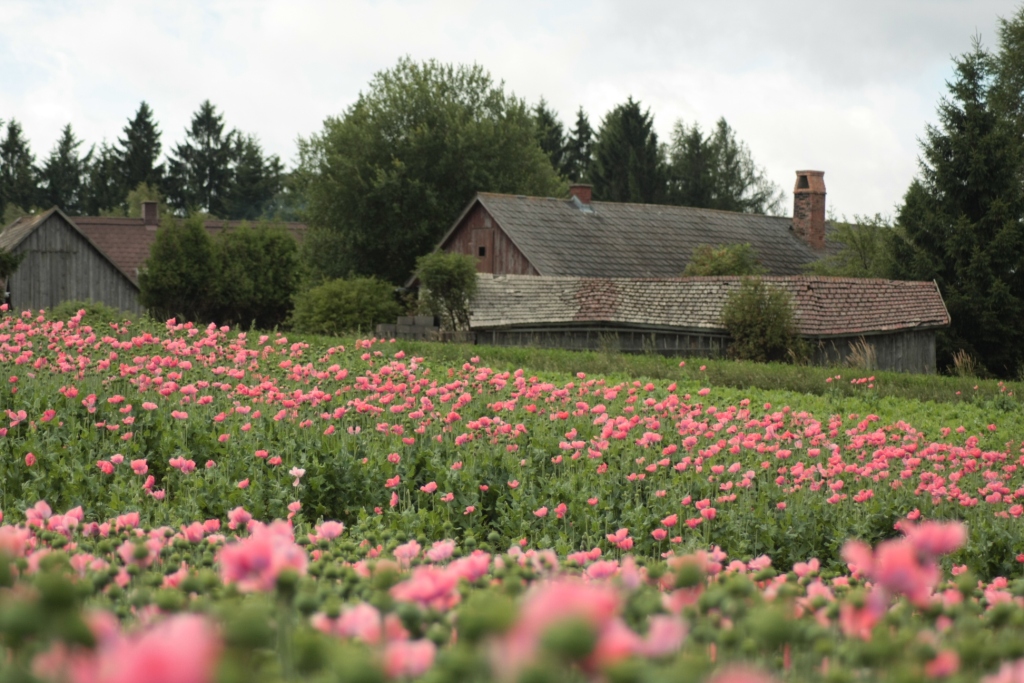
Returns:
(216, 505)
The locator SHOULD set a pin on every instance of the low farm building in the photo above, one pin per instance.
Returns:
(886, 324)
(87, 257)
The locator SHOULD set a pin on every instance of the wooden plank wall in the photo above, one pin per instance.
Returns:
(912, 351)
(507, 259)
(609, 339)
(60, 265)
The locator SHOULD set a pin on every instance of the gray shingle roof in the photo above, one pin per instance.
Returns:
(637, 240)
(823, 306)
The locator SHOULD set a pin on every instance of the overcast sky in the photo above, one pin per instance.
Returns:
(845, 87)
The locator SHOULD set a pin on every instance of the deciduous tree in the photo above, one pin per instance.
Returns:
(386, 178)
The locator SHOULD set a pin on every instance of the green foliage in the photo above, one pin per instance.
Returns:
(9, 262)
(17, 170)
(138, 152)
(145, 193)
(64, 174)
(257, 275)
(104, 191)
(256, 182)
(717, 171)
(199, 169)
(628, 164)
(729, 259)
(579, 150)
(98, 315)
(759, 318)
(550, 133)
(386, 178)
(960, 220)
(345, 305)
(864, 249)
(449, 281)
(179, 278)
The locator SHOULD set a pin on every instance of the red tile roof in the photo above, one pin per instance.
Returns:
(823, 306)
(127, 241)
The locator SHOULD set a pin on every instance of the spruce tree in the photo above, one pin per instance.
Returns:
(579, 150)
(139, 150)
(961, 217)
(628, 164)
(103, 192)
(257, 181)
(64, 174)
(18, 180)
(200, 173)
(550, 133)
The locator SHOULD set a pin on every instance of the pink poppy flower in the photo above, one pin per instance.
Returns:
(254, 563)
(238, 517)
(140, 467)
(429, 487)
(541, 512)
(441, 550)
(244, 484)
(408, 658)
(30, 459)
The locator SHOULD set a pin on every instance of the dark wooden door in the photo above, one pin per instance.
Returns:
(483, 247)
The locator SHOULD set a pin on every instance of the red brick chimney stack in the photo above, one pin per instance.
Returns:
(150, 215)
(809, 208)
(581, 191)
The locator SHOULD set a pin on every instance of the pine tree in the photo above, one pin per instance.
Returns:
(200, 173)
(139, 150)
(628, 164)
(257, 181)
(550, 133)
(103, 192)
(578, 155)
(960, 220)
(18, 181)
(64, 174)
(717, 171)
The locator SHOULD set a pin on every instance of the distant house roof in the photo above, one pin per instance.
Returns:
(823, 306)
(15, 233)
(125, 241)
(610, 239)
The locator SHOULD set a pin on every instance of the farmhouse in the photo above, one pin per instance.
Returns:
(889, 324)
(519, 235)
(87, 257)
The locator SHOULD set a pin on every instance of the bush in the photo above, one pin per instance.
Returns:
(730, 259)
(257, 276)
(760, 321)
(98, 315)
(450, 283)
(179, 278)
(345, 305)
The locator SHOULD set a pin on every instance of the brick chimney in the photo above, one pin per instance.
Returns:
(581, 192)
(809, 208)
(150, 215)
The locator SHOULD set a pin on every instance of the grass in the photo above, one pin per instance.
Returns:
(804, 379)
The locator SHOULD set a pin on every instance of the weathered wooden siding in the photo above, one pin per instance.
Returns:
(912, 351)
(479, 230)
(60, 265)
(667, 343)
(898, 352)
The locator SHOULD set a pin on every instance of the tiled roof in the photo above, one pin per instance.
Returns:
(127, 241)
(608, 239)
(823, 306)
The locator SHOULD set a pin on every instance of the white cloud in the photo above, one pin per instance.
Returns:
(845, 87)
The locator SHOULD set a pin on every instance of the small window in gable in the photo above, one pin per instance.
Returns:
(481, 251)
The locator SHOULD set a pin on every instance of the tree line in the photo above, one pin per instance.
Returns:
(213, 170)
(961, 221)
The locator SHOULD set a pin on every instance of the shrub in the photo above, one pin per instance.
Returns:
(98, 315)
(729, 259)
(450, 283)
(179, 277)
(760, 321)
(257, 276)
(345, 305)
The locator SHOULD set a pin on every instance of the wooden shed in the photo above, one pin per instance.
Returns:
(889, 324)
(60, 264)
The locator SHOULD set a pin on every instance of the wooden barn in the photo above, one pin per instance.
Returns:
(62, 263)
(886, 324)
(520, 235)
(88, 257)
